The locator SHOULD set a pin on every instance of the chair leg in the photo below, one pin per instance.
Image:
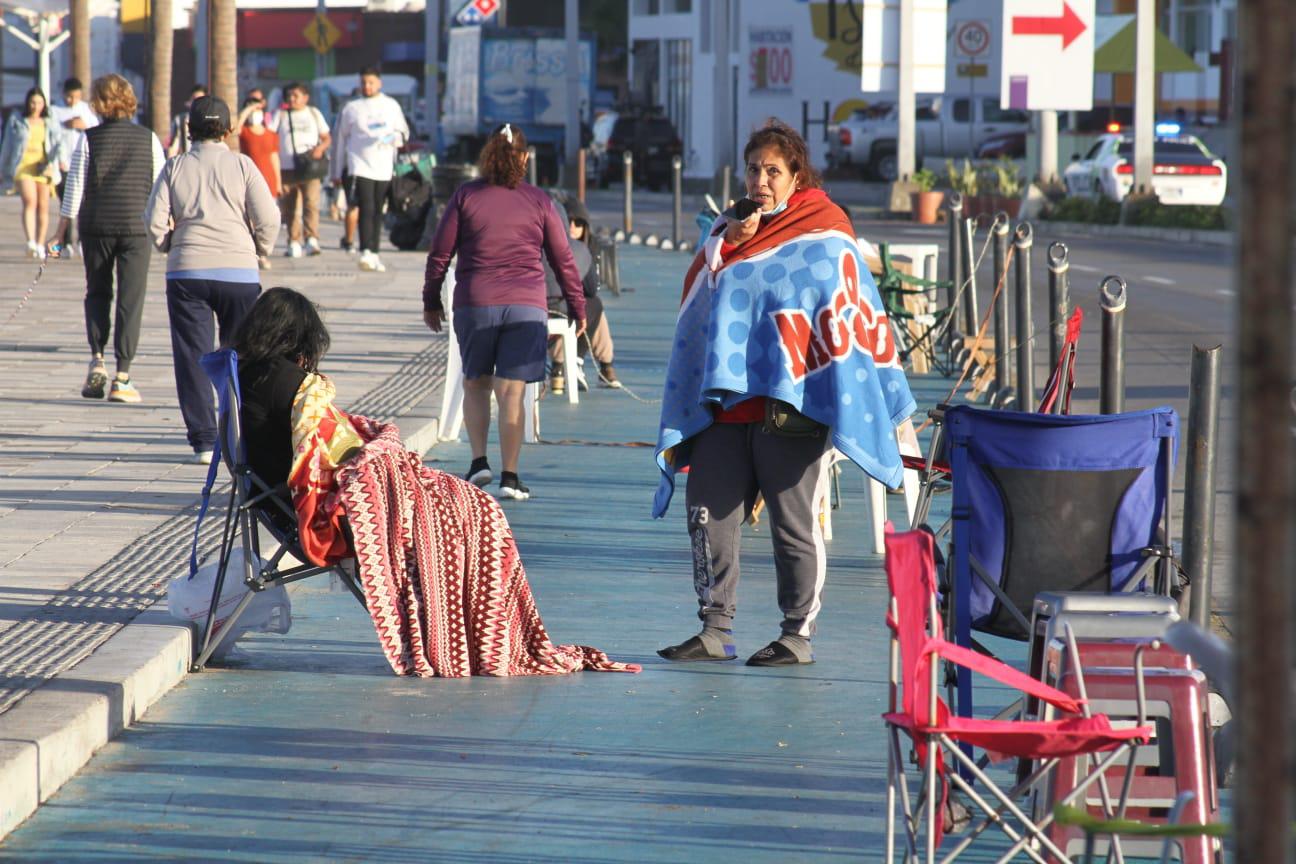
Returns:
(906, 806)
(932, 804)
(210, 646)
(890, 806)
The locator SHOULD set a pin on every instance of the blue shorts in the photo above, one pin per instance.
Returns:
(504, 341)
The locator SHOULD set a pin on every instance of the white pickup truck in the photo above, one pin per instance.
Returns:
(945, 126)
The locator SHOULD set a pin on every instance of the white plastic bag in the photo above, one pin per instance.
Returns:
(189, 599)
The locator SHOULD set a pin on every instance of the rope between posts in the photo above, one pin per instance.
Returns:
(30, 290)
(980, 335)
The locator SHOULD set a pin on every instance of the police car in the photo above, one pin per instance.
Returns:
(1183, 172)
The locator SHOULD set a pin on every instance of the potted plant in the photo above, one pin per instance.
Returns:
(926, 201)
(966, 181)
(1008, 186)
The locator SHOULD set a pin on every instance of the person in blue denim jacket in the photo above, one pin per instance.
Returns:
(29, 158)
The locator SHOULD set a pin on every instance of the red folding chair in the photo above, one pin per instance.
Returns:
(916, 709)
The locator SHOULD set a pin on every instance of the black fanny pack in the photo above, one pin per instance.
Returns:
(783, 420)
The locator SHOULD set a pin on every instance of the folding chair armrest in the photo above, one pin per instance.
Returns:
(1002, 673)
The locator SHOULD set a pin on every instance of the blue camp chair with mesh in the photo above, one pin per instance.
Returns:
(1045, 502)
(256, 510)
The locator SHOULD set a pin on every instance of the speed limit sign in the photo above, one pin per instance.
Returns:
(972, 38)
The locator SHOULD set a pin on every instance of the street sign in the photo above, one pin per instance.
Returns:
(972, 70)
(477, 11)
(1048, 55)
(321, 33)
(880, 46)
(972, 38)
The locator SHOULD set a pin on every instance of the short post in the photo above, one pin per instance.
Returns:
(726, 182)
(1003, 370)
(677, 190)
(627, 160)
(954, 259)
(1059, 299)
(1023, 239)
(531, 166)
(1111, 382)
(971, 315)
(580, 175)
(1199, 480)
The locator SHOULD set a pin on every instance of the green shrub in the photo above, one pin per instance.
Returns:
(965, 179)
(1097, 211)
(1153, 213)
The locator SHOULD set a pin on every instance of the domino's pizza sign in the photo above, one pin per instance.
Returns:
(477, 12)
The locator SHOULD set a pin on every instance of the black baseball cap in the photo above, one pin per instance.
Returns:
(209, 117)
(576, 210)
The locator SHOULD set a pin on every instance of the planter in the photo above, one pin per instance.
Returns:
(989, 205)
(926, 207)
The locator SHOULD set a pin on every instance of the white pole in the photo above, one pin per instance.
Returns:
(1048, 146)
(1144, 93)
(571, 24)
(905, 160)
(43, 56)
(721, 85)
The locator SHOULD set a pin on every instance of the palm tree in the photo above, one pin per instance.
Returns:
(81, 40)
(224, 55)
(160, 67)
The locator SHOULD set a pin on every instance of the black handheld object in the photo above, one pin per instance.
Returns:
(745, 208)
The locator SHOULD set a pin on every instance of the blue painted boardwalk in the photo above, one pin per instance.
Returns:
(312, 750)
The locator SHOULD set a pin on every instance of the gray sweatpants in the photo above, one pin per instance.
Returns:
(730, 463)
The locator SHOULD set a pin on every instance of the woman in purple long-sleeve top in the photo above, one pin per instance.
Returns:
(499, 227)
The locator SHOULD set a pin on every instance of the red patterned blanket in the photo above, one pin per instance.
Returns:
(442, 576)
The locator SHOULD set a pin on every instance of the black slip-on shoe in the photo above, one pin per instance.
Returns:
(693, 650)
(775, 654)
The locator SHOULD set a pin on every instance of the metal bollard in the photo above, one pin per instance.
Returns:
(1111, 382)
(1059, 299)
(627, 160)
(677, 190)
(580, 175)
(971, 315)
(726, 182)
(531, 166)
(1199, 480)
(1003, 371)
(954, 257)
(1023, 239)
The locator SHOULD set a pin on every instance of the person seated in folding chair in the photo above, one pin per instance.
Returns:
(441, 574)
(597, 338)
(782, 352)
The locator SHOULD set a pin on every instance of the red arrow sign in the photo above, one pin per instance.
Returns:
(1068, 25)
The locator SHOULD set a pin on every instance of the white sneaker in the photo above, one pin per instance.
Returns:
(33, 249)
(367, 262)
(202, 457)
(294, 250)
(378, 266)
(312, 246)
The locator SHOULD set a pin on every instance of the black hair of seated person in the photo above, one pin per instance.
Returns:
(283, 323)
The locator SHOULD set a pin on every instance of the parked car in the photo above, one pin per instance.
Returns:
(653, 141)
(1183, 172)
(943, 127)
(1009, 145)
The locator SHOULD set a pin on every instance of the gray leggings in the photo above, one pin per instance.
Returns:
(730, 463)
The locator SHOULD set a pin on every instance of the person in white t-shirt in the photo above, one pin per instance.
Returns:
(303, 132)
(75, 116)
(370, 130)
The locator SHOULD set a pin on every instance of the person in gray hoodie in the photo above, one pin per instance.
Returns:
(212, 213)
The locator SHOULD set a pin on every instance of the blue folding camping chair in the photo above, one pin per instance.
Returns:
(254, 506)
(1045, 502)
